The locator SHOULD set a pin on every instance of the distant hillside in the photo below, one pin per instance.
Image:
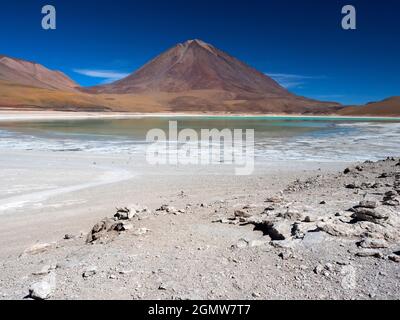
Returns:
(385, 108)
(33, 74)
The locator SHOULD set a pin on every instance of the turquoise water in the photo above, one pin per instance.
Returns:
(276, 138)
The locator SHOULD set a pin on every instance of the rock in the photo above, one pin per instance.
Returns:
(368, 204)
(390, 194)
(323, 202)
(284, 244)
(141, 231)
(394, 258)
(319, 269)
(292, 215)
(89, 272)
(286, 255)
(69, 237)
(346, 171)
(123, 226)
(278, 230)
(270, 208)
(351, 186)
(336, 229)
(101, 228)
(242, 214)
(309, 219)
(242, 243)
(365, 214)
(45, 270)
(124, 214)
(391, 202)
(257, 243)
(39, 248)
(369, 253)
(163, 207)
(43, 289)
(373, 244)
(274, 200)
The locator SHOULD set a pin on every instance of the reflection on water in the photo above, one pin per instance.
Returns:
(276, 138)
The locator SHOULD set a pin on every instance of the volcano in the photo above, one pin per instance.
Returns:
(196, 76)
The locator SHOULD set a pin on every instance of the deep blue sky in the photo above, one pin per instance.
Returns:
(300, 42)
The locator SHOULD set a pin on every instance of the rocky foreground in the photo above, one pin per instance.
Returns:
(332, 236)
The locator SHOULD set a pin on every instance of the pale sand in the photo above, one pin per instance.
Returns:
(44, 195)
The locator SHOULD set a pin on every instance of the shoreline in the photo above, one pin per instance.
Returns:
(62, 115)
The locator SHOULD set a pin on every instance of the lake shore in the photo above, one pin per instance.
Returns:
(59, 115)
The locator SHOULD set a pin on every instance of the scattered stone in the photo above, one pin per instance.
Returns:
(319, 269)
(124, 214)
(278, 230)
(309, 219)
(69, 237)
(45, 270)
(274, 200)
(141, 231)
(394, 258)
(242, 243)
(39, 248)
(123, 226)
(43, 289)
(368, 204)
(242, 214)
(286, 255)
(101, 229)
(270, 208)
(89, 272)
(257, 243)
(371, 215)
(369, 253)
(373, 244)
(292, 215)
(335, 229)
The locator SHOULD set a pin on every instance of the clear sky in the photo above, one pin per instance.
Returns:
(299, 42)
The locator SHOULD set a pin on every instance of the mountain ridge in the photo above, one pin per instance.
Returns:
(193, 77)
(34, 74)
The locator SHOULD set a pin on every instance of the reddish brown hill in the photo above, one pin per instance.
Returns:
(195, 65)
(197, 76)
(385, 108)
(32, 74)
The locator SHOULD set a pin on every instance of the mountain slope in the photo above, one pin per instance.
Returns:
(387, 107)
(196, 76)
(32, 74)
(195, 65)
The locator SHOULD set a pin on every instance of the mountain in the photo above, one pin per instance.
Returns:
(196, 76)
(195, 65)
(385, 108)
(32, 74)
(191, 77)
